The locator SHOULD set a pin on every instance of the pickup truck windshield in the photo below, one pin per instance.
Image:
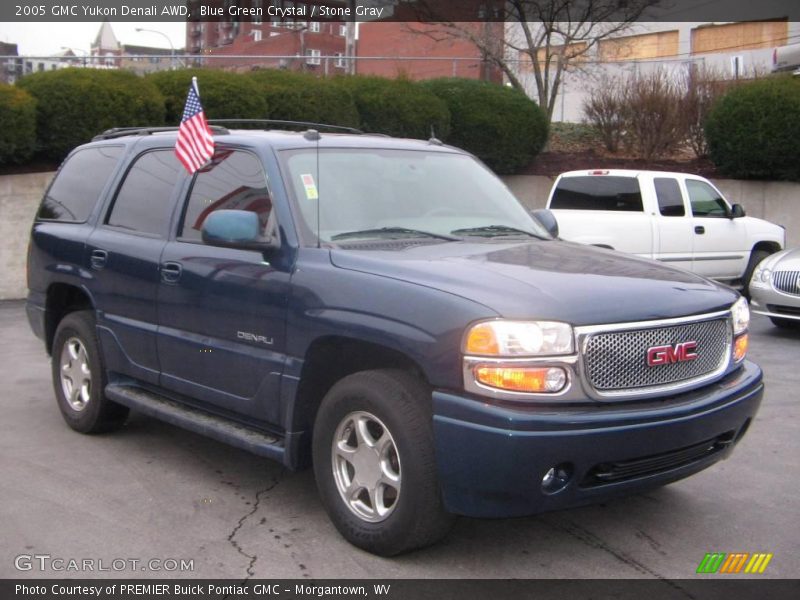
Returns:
(598, 192)
(389, 194)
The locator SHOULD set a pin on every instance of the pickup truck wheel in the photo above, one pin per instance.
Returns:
(756, 256)
(79, 377)
(374, 462)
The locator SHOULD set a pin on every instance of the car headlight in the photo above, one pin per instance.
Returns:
(761, 275)
(519, 338)
(740, 312)
(740, 315)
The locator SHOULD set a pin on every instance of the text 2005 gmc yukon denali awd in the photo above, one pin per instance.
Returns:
(386, 310)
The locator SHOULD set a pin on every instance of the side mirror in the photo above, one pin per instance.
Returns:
(737, 211)
(547, 219)
(235, 229)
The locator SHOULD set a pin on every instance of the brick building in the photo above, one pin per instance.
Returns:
(295, 42)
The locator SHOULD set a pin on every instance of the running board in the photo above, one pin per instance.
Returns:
(197, 420)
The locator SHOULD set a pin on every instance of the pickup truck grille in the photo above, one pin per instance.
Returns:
(787, 282)
(616, 362)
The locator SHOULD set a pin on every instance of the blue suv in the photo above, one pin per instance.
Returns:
(385, 310)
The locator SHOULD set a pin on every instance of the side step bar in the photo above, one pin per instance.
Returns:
(199, 421)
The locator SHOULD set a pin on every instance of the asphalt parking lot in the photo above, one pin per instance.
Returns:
(152, 491)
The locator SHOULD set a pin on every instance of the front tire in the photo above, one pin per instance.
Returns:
(79, 377)
(374, 462)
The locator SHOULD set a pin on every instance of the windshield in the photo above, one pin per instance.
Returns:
(402, 194)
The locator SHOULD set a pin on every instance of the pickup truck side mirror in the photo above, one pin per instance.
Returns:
(737, 211)
(236, 229)
(547, 219)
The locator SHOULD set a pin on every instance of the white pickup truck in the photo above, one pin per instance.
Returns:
(672, 217)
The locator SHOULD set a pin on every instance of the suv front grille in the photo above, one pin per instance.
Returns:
(616, 361)
(787, 282)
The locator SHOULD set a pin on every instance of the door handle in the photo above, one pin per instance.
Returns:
(98, 259)
(700, 230)
(171, 272)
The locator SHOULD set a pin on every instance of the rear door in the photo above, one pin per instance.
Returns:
(720, 243)
(603, 210)
(222, 311)
(674, 223)
(123, 256)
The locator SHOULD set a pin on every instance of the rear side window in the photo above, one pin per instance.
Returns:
(670, 200)
(705, 200)
(235, 180)
(78, 184)
(143, 200)
(598, 192)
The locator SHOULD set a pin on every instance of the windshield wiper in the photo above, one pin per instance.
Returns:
(495, 231)
(393, 231)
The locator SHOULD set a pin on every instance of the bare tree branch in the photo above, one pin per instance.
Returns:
(549, 37)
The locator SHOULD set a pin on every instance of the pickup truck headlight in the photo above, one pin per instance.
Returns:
(740, 315)
(519, 338)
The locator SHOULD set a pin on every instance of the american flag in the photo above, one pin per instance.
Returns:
(195, 144)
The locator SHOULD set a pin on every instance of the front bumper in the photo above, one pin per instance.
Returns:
(492, 458)
(770, 302)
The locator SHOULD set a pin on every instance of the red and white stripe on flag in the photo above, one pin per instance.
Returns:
(195, 144)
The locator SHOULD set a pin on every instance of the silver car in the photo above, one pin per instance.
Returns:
(775, 288)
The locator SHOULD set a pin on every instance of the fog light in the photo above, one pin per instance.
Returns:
(556, 478)
(547, 380)
(740, 345)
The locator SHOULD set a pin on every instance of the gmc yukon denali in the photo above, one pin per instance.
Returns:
(386, 311)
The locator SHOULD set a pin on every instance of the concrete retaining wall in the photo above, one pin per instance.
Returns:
(20, 196)
(19, 199)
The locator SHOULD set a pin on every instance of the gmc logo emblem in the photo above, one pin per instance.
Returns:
(667, 355)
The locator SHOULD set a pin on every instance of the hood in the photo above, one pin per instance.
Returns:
(547, 280)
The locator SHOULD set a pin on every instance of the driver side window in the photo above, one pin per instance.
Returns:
(705, 200)
(234, 180)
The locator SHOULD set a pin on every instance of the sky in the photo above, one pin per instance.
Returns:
(46, 39)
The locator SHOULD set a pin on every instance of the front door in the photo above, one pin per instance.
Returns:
(720, 243)
(222, 311)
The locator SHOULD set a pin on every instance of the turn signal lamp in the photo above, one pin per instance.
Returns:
(548, 380)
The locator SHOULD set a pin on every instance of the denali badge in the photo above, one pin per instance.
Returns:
(666, 355)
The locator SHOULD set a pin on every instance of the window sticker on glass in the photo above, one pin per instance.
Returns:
(311, 187)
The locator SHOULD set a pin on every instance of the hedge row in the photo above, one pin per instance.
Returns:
(753, 131)
(501, 126)
(18, 131)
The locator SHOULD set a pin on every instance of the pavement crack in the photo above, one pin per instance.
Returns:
(252, 558)
(593, 541)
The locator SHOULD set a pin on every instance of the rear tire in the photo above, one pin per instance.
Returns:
(374, 462)
(79, 377)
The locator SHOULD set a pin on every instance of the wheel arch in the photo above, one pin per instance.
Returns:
(62, 299)
(329, 359)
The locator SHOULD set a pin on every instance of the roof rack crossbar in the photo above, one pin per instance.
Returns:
(289, 123)
(117, 132)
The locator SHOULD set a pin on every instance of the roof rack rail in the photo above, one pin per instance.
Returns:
(117, 132)
(288, 123)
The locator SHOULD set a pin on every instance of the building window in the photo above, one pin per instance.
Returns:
(256, 35)
(342, 30)
(340, 62)
(313, 27)
(313, 57)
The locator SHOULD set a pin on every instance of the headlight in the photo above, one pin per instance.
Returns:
(740, 312)
(519, 338)
(761, 275)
